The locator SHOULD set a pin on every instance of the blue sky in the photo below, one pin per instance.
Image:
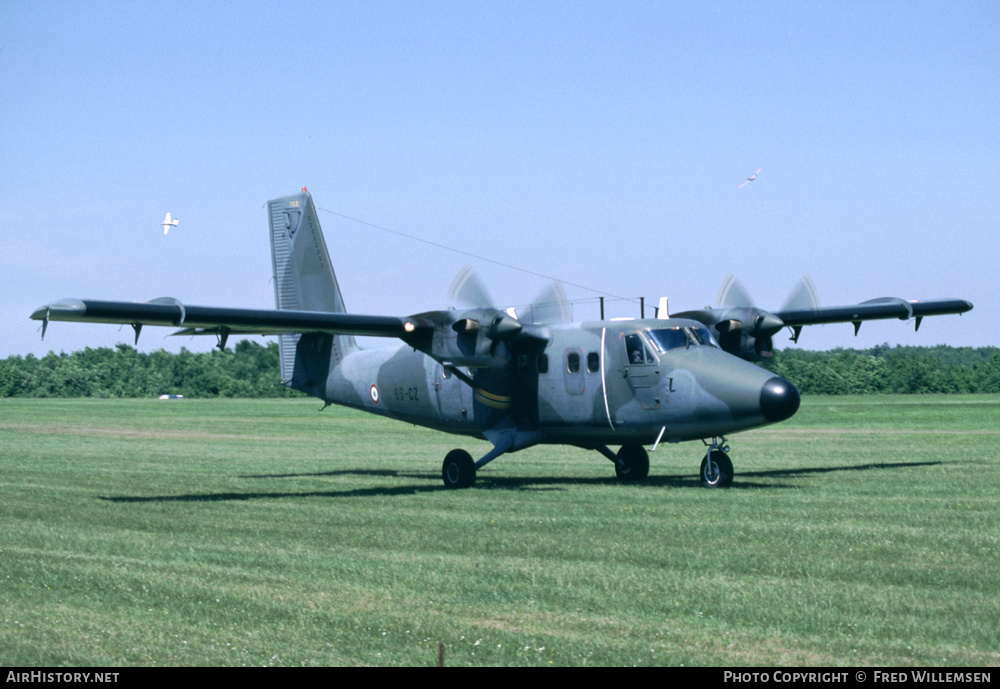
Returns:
(599, 143)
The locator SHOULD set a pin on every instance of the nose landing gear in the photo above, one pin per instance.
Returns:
(716, 467)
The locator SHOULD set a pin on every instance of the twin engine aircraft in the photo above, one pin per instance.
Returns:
(515, 379)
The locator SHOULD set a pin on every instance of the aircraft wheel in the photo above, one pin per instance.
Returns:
(722, 470)
(458, 470)
(633, 464)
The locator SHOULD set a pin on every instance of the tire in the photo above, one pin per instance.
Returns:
(632, 464)
(723, 466)
(458, 470)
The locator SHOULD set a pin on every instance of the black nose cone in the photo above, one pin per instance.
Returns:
(779, 399)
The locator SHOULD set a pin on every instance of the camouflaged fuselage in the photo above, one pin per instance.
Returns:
(588, 385)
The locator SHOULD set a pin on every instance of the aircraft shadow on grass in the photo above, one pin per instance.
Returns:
(828, 469)
(534, 483)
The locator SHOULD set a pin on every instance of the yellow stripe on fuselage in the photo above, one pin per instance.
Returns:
(492, 400)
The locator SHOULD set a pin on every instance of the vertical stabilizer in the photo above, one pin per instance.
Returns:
(304, 281)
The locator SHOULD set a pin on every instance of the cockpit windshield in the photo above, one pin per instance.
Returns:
(665, 339)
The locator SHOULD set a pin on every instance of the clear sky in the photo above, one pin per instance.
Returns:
(601, 143)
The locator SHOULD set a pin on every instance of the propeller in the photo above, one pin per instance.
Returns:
(743, 328)
(468, 288)
(804, 296)
(734, 295)
(500, 326)
(550, 306)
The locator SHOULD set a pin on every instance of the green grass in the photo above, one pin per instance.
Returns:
(861, 532)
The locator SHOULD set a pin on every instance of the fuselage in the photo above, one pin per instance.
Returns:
(604, 382)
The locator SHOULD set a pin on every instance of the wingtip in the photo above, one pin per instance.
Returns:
(62, 308)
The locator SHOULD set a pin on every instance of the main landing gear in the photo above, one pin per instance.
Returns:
(632, 463)
(458, 470)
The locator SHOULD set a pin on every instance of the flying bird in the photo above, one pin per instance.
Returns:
(750, 178)
(168, 223)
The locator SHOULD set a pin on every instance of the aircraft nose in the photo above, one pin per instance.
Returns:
(779, 399)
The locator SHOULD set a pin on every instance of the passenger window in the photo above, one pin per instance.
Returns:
(593, 362)
(573, 362)
(543, 363)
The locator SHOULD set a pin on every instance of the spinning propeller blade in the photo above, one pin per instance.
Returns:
(469, 289)
(731, 293)
(804, 296)
(746, 330)
(550, 306)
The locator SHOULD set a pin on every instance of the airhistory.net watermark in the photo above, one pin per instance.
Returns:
(30, 677)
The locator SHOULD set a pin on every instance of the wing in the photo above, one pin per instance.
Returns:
(746, 331)
(223, 321)
(874, 309)
(457, 338)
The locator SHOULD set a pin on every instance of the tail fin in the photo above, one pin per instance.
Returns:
(304, 280)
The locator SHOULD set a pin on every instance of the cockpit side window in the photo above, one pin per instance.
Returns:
(636, 351)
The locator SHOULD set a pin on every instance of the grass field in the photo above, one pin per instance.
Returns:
(864, 531)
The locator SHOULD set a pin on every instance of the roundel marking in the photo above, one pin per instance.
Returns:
(373, 391)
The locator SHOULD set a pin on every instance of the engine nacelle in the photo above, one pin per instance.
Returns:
(479, 338)
(745, 332)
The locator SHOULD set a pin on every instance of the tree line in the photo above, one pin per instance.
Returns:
(251, 369)
(247, 370)
(884, 369)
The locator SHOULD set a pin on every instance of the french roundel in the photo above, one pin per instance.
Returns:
(373, 391)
